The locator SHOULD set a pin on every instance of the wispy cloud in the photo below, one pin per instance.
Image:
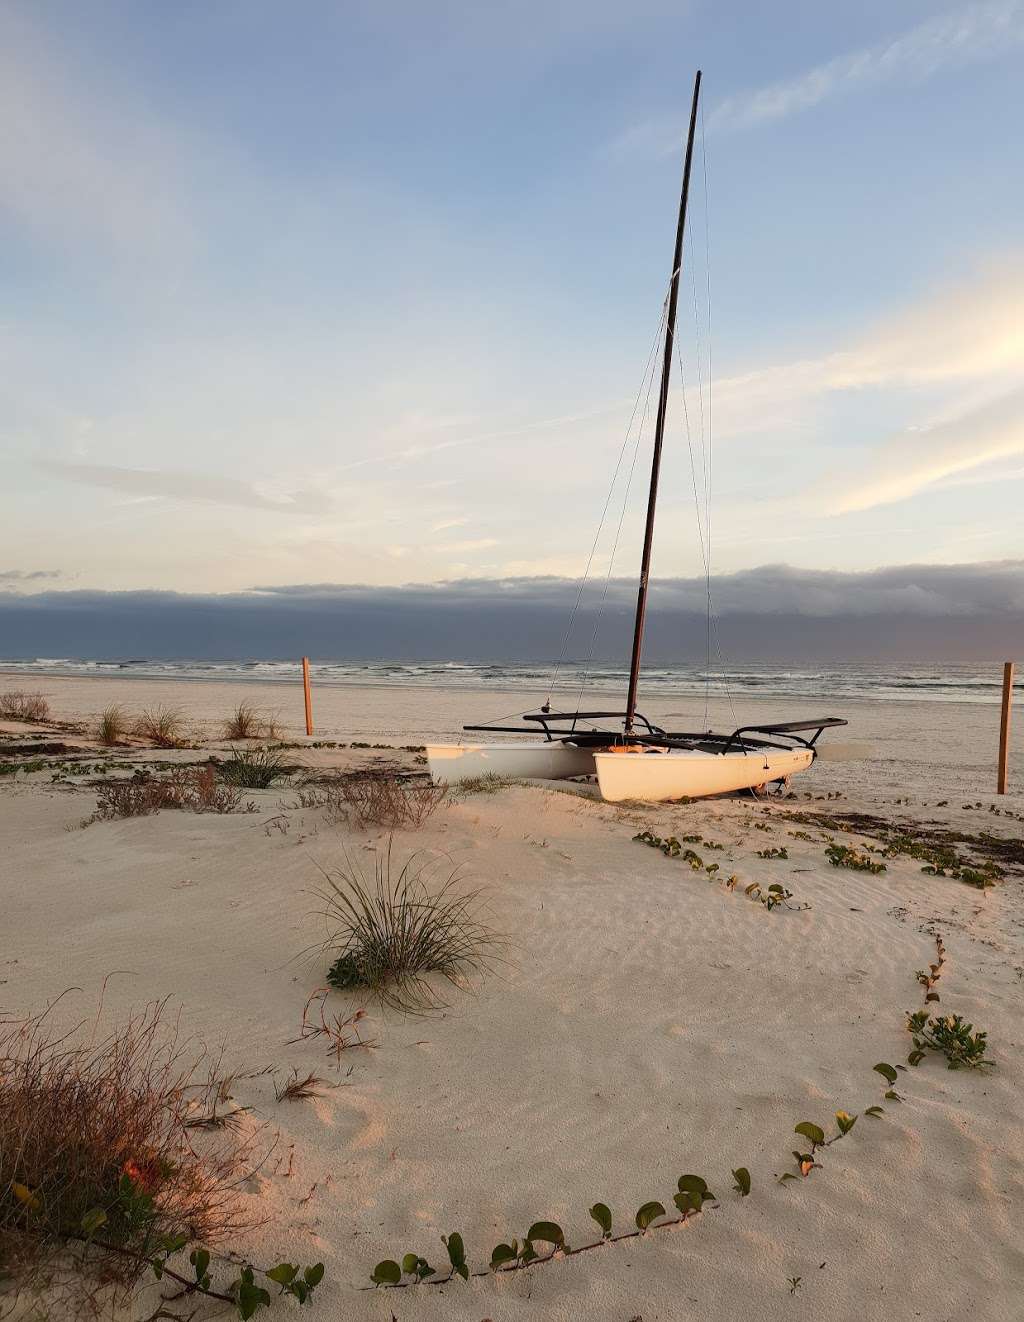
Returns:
(970, 333)
(909, 463)
(188, 487)
(971, 33)
(27, 575)
(963, 35)
(468, 544)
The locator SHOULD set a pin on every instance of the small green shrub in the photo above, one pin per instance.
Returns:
(252, 768)
(487, 784)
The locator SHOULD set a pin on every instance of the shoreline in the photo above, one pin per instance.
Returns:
(501, 688)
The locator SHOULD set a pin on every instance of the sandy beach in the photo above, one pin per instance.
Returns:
(645, 1020)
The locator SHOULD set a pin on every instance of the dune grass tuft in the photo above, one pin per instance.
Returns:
(112, 725)
(19, 706)
(389, 935)
(245, 722)
(163, 726)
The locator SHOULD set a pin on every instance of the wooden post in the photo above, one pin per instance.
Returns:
(1004, 727)
(309, 700)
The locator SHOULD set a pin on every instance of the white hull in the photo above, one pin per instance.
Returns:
(451, 763)
(654, 777)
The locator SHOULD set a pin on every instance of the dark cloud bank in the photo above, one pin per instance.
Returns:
(916, 613)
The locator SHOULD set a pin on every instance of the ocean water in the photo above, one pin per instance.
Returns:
(888, 682)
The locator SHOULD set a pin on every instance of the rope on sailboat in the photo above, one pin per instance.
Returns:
(581, 586)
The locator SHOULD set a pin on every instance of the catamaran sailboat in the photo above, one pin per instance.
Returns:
(632, 758)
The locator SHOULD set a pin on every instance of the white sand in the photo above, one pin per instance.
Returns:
(647, 1023)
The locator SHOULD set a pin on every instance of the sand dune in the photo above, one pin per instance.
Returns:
(646, 1021)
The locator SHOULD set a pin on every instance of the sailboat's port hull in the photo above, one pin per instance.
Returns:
(545, 760)
(655, 777)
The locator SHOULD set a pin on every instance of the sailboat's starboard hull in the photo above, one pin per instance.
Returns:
(542, 760)
(656, 777)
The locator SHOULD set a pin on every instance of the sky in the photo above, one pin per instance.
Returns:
(365, 293)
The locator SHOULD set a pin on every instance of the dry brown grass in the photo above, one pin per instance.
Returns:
(381, 799)
(340, 1032)
(112, 725)
(299, 1090)
(192, 789)
(89, 1127)
(163, 726)
(18, 706)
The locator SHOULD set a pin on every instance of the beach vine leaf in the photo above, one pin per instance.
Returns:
(742, 1177)
(386, 1273)
(456, 1254)
(548, 1232)
(502, 1253)
(812, 1131)
(648, 1213)
(601, 1213)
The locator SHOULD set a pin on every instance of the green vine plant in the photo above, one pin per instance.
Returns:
(950, 1035)
(963, 1047)
(246, 1292)
(930, 976)
(692, 1193)
(772, 897)
(844, 856)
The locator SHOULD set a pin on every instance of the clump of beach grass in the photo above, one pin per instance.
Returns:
(97, 1167)
(20, 706)
(163, 726)
(245, 722)
(253, 768)
(391, 933)
(112, 725)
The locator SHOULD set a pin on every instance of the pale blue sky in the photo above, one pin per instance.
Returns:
(363, 292)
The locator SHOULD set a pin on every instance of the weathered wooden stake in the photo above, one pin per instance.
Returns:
(1004, 727)
(309, 700)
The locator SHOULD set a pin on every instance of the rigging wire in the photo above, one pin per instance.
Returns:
(622, 512)
(712, 618)
(711, 433)
(581, 586)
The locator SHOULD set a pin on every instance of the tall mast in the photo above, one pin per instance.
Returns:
(659, 429)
